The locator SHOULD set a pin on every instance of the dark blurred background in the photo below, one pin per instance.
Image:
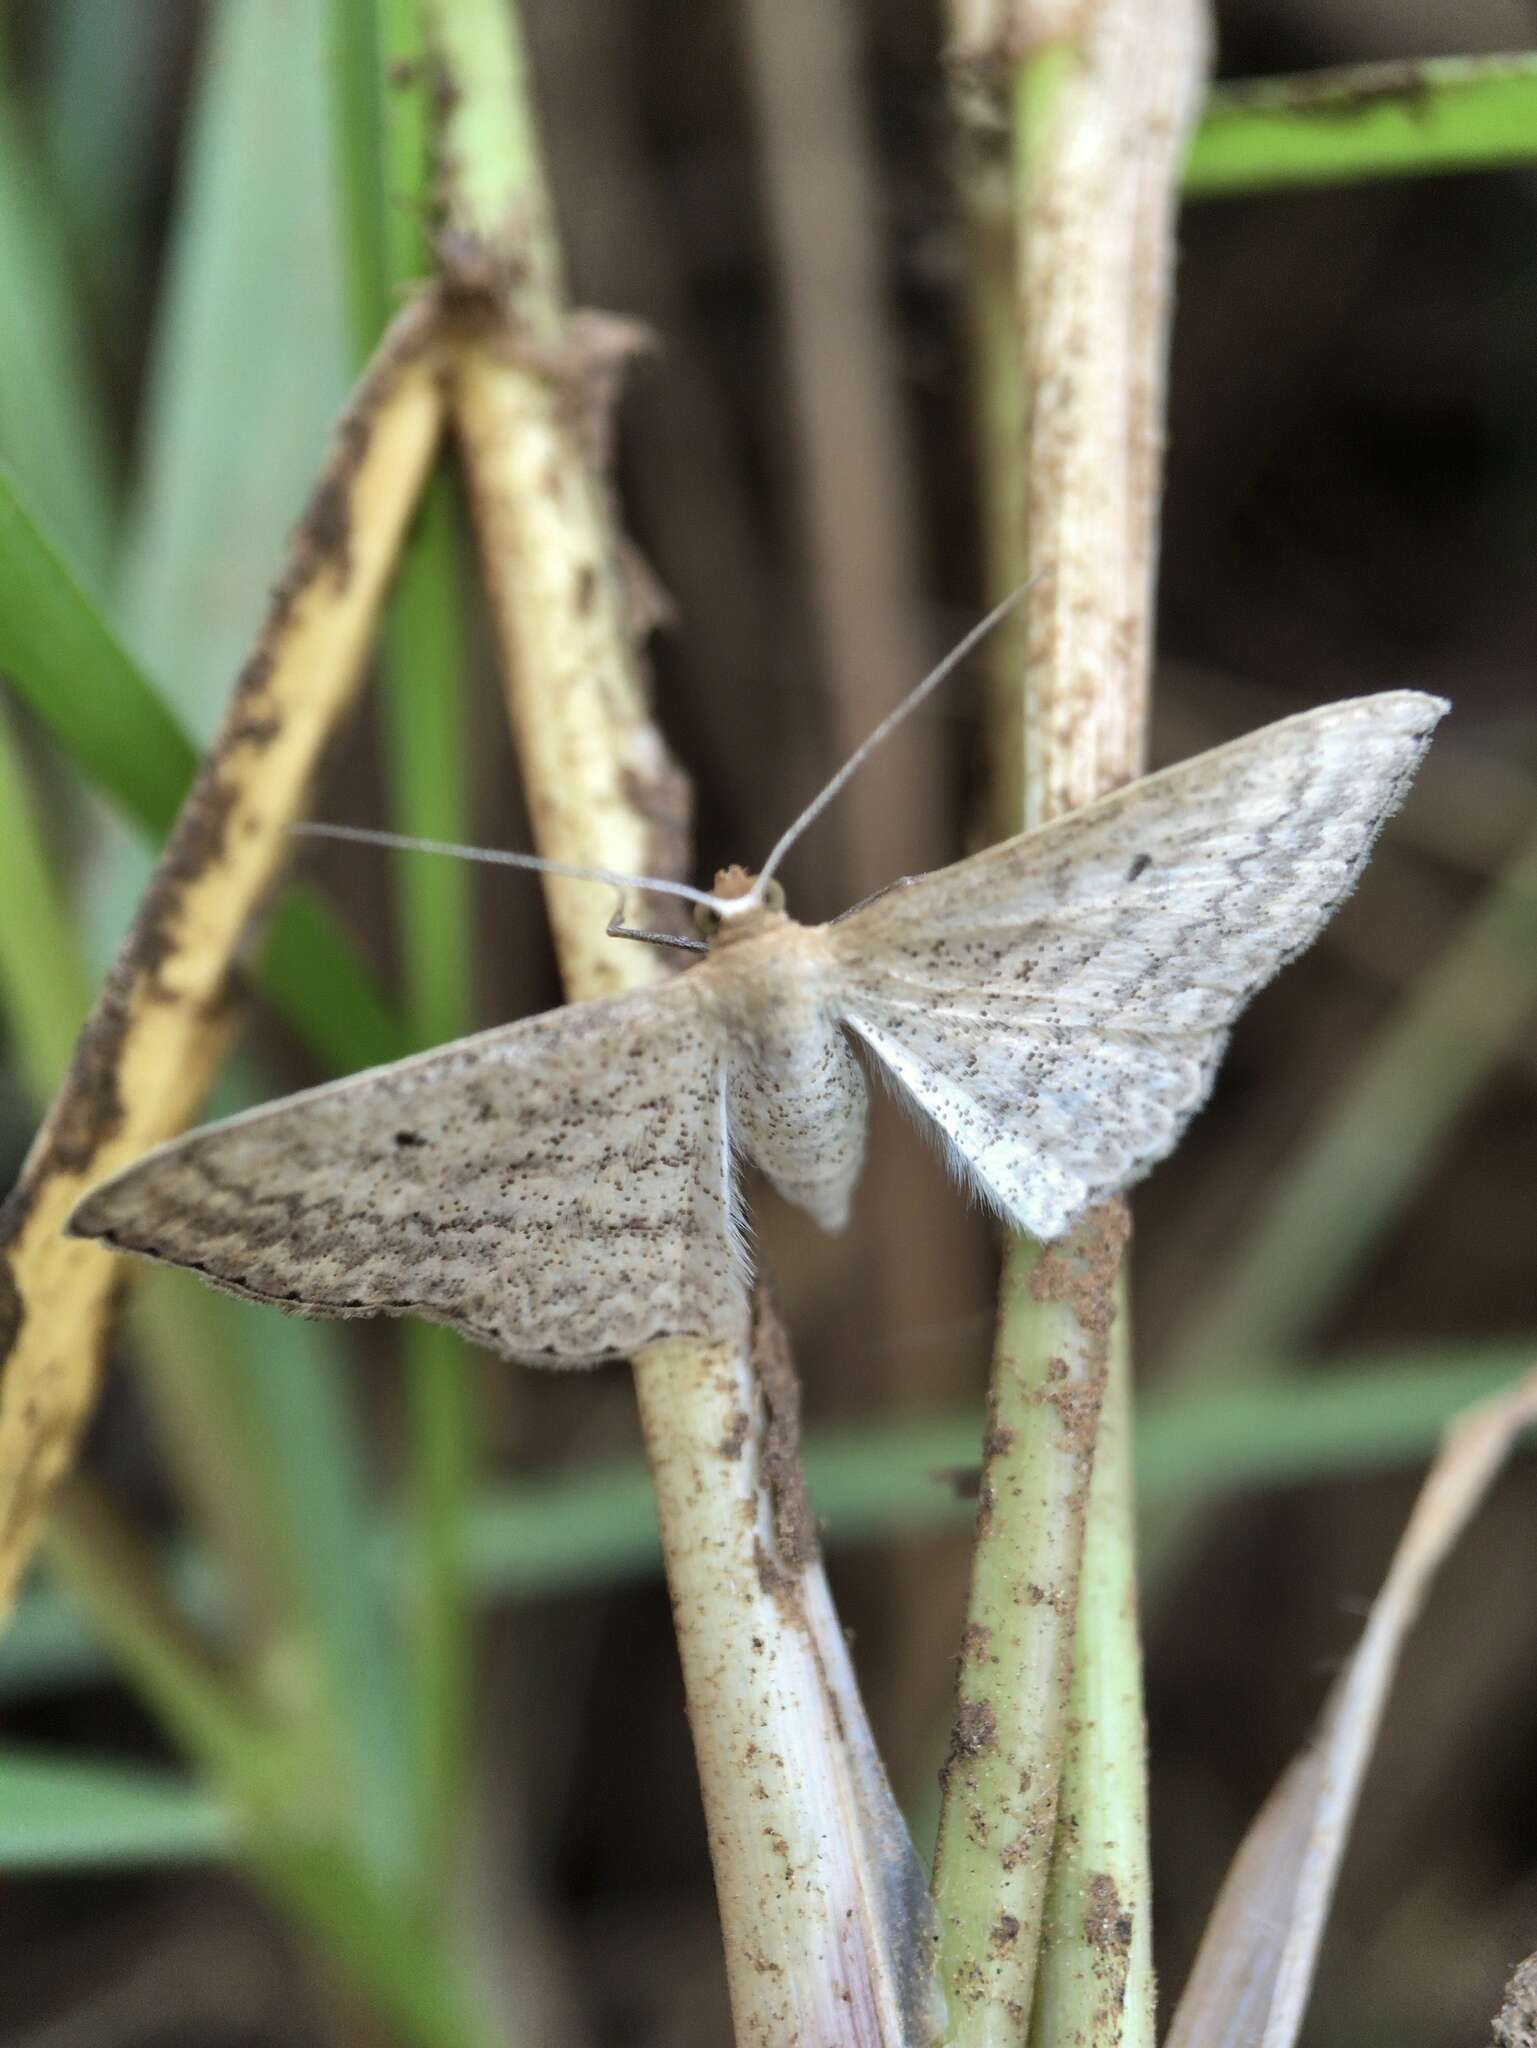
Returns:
(1351, 505)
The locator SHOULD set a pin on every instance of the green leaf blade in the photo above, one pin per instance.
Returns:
(59, 1813)
(1376, 121)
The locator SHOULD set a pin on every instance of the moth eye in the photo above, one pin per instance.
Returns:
(706, 920)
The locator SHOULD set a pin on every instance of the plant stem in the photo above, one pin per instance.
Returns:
(382, 129)
(1097, 1955)
(426, 756)
(159, 1030)
(1096, 102)
(795, 1801)
(999, 1813)
(785, 1801)
(594, 1525)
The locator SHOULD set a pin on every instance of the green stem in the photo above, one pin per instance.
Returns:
(1071, 398)
(494, 185)
(427, 751)
(1096, 1968)
(427, 766)
(425, 760)
(382, 96)
(998, 1820)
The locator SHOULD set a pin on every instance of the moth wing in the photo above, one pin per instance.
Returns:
(559, 1190)
(1057, 1004)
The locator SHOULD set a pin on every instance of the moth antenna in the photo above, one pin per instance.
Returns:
(617, 929)
(884, 730)
(491, 856)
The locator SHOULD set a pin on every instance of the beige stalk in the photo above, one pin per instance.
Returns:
(812, 1872)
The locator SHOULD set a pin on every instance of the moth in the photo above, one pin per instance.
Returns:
(564, 1190)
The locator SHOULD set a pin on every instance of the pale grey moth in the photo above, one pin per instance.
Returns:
(564, 1190)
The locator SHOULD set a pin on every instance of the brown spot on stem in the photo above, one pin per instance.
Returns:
(12, 1312)
(969, 1983)
(1106, 1924)
(736, 1434)
(976, 1642)
(794, 1529)
(1005, 1930)
(975, 1731)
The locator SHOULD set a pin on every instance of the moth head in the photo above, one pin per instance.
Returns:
(739, 903)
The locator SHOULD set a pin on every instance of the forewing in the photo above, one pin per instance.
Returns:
(1057, 1004)
(559, 1190)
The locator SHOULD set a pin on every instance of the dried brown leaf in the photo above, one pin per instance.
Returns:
(1255, 1967)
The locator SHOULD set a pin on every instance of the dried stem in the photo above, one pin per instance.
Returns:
(817, 1913)
(1095, 104)
(154, 1040)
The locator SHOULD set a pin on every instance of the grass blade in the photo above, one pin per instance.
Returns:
(594, 1524)
(1372, 121)
(99, 110)
(52, 427)
(354, 76)
(58, 1813)
(66, 665)
(1355, 1174)
(286, 1812)
(78, 679)
(293, 1394)
(43, 987)
(250, 359)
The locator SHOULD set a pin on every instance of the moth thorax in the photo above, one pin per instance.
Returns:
(733, 885)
